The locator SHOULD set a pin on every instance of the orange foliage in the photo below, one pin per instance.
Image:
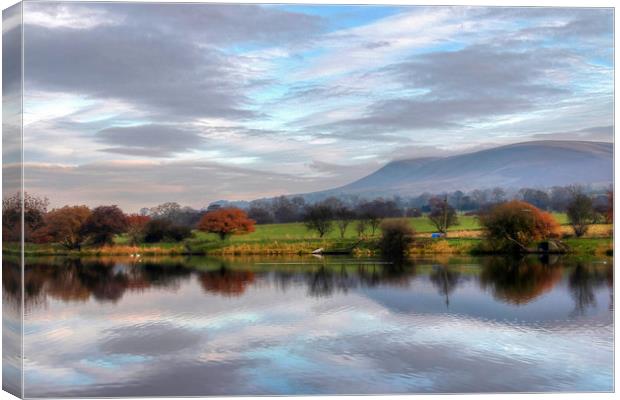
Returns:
(226, 221)
(226, 282)
(518, 223)
(137, 220)
(64, 225)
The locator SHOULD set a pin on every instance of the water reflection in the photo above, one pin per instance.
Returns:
(514, 281)
(303, 325)
(583, 282)
(519, 281)
(226, 281)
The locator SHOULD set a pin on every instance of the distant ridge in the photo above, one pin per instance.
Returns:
(529, 164)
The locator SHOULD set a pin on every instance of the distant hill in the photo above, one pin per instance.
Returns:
(530, 164)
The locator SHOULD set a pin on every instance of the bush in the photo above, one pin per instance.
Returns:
(512, 226)
(396, 237)
(161, 230)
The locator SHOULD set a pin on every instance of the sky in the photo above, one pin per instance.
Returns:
(138, 104)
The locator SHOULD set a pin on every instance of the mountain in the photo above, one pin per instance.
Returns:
(537, 164)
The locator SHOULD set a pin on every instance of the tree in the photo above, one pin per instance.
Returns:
(537, 198)
(135, 227)
(343, 216)
(580, 212)
(318, 217)
(226, 222)
(64, 225)
(498, 194)
(560, 197)
(374, 220)
(34, 211)
(169, 210)
(396, 237)
(442, 214)
(260, 214)
(285, 210)
(361, 226)
(159, 230)
(104, 223)
(513, 225)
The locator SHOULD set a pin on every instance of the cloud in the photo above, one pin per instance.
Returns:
(137, 184)
(11, 50)
(150, 140)
(162, 58)
(457, 88)
(278, 88)
(155, 73)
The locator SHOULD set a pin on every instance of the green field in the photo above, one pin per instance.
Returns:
(297, 230)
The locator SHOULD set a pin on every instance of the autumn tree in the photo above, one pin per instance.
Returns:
(226, 222)
(135, 227)
(580, 212)
(513, 225)
(64, 225)
(104, 223)
(442, 215)
(35, 208)
(318, 217)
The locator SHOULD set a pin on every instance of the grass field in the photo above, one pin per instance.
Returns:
(295, 238)
(297, 230)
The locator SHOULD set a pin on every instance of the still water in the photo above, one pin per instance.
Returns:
(239, 326)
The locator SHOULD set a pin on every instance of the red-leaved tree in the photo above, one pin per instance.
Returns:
(226, 222)
(135, 227)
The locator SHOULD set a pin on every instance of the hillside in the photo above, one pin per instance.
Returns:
(529, 164)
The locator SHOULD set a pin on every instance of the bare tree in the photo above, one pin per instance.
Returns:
(442, 214)
(580, 212)
(318, 217)
(344, 216)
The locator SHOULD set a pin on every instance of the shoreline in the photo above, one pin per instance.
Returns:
(421, 247)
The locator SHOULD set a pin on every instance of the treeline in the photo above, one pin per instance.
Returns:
(285, 209)
(73, 226)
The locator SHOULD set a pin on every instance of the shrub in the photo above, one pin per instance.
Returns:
(512, 226)
(396, 237)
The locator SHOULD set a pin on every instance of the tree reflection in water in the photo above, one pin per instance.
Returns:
(226, 281)
(514, 281)
(79, 280)
(518, 281)
(582, 281)
(445, 279)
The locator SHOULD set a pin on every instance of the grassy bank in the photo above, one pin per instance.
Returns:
(422, 246)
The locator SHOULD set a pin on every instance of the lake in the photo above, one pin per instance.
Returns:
(308, 325)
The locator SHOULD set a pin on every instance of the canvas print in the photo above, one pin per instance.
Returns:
(295, 199)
